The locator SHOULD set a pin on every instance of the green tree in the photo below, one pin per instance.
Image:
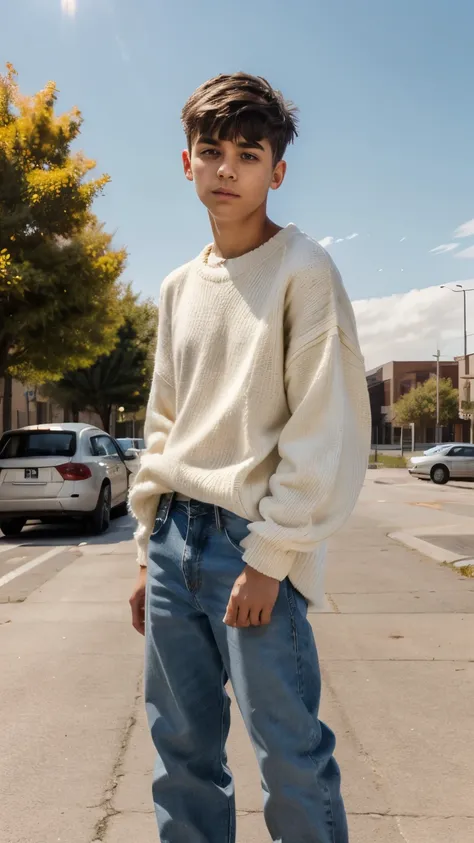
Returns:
(121, 377)
(59, 305)
(419, 405)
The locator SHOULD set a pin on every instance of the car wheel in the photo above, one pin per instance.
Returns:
(13, 526)
(439, 474)
(121, 509)
(100, 519)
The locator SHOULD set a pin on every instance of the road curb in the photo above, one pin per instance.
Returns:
(439, 554)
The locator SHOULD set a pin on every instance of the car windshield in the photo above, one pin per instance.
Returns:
(434, 449)
(38, 443)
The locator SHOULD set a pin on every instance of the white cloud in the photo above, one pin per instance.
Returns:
(69, 7)
(466, 253)
(465, 230)
(402, 239)
(411, 326)
(326, 242)
(445, 247)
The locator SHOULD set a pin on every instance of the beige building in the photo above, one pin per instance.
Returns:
(466, 391)
(389, 382)
(30, 407)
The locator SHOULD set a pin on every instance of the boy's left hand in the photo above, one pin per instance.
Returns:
(252, 599)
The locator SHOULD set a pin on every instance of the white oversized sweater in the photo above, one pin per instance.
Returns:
(259, 403)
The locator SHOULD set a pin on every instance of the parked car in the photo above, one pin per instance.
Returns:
(132, 444)
(448, 462)
(434, 449)
(52, 471)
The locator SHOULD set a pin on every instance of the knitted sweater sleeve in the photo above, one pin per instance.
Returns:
(160, 415)
(324, 446)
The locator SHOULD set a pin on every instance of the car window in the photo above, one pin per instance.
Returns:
(38, 443)
(110, 446)
(457, 451)
(102, 446)
(469, 452)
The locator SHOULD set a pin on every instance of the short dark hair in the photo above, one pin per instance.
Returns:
(241, 105)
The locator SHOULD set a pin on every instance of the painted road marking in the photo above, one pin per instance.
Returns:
(4, 548)
(28, 566)
(427, 504)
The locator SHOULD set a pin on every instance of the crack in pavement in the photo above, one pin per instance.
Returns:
(101, 827)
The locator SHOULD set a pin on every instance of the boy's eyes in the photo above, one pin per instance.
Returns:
(213, 153)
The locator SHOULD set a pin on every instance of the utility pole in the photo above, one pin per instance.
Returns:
(437, 436)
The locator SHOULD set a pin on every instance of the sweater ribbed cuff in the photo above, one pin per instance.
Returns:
(142, 557)
(263, 556)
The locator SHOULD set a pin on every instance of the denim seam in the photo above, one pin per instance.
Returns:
(232, 543)
(328, 800)
(294, 633)
(292, 607)
(185, 553)
(230, 826)
(198, 576)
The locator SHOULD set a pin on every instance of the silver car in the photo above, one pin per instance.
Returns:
(131, 444)
(52, 471)
(444, 463)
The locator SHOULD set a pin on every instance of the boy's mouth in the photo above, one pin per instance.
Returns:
(222, 191)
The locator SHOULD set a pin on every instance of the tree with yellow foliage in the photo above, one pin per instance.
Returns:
(59, 290)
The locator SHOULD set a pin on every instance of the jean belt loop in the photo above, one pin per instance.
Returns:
(218, 518)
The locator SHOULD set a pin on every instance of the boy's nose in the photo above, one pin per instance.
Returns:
(226, 170)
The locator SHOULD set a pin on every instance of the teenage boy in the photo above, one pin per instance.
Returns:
(257, 442)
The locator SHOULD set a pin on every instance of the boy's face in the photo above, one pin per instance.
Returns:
(232, 178)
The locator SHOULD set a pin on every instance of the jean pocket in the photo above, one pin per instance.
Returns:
(235, 530)
(162, 515)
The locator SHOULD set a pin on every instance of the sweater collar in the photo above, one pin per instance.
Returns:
(230, 268)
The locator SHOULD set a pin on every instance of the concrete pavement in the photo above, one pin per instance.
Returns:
(397, 651)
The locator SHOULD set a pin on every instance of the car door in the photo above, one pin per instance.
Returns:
(457, 461)
(108, 459)
(119, 472)
(468, 461)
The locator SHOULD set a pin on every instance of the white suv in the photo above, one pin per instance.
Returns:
(52, 471)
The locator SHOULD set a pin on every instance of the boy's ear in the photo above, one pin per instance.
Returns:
(278, 175)
(188, 172)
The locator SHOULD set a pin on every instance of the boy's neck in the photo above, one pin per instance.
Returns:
(234, 240)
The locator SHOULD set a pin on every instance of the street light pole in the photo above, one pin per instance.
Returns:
(437, 355)
(466, 357)
(460, 289)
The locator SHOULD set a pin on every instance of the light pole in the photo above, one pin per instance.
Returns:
(437, 355)
(460, 289)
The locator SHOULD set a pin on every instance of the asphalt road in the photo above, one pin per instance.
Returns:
(396, 643)
(41, 551)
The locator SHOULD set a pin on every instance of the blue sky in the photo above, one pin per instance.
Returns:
(387, 125)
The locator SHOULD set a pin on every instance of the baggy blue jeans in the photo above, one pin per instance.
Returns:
(194, 561)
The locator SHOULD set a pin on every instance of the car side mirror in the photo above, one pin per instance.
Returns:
(130, 454)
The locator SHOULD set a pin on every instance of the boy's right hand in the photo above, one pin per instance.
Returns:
(137, 602)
